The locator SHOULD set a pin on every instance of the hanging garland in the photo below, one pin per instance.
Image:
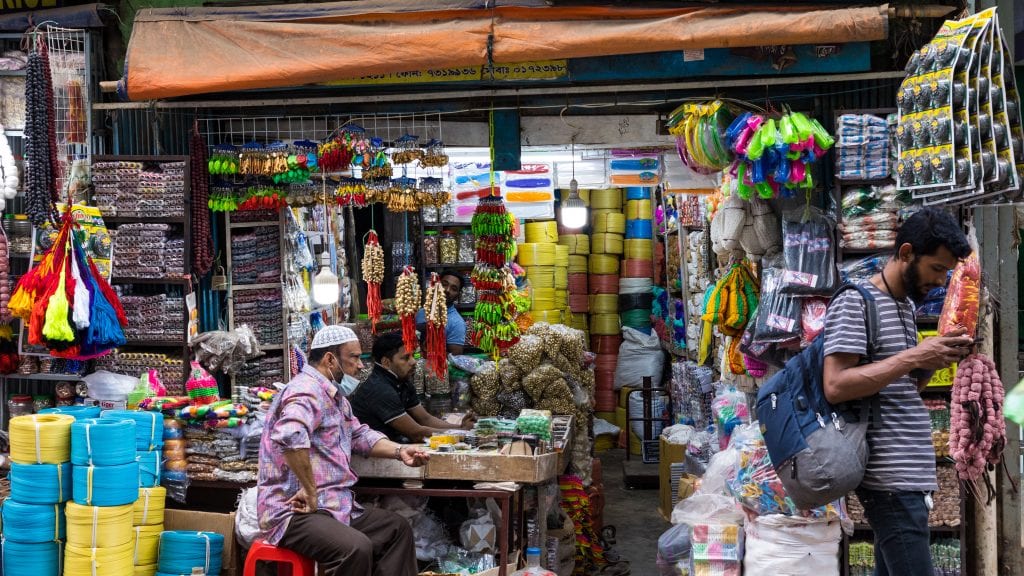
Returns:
(5, 281)
(435, 308)
(977, 434)
(407, 303)
(202, 248)
(496, 310)
(40, 140)
(373, 275)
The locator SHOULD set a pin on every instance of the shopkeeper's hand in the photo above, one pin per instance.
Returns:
(413, 456)
(304, 501)
(468, 421)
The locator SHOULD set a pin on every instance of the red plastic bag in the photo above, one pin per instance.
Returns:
(963, 298)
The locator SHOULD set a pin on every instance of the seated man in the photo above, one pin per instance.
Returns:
(387, 402)
(455, 328)
(305, 499)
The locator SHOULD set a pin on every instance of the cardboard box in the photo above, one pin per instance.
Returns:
(473, 466)
(670, 454)
(224, 524)
(106, 404)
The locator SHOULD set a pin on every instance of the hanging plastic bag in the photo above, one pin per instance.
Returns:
(812, 319)
(808, 239)
(247, 523)
(730, 410)
(778, 314)
(963, 298)
(201, 387)
(673, 548)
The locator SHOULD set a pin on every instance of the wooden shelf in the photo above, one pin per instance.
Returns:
(175, 281)
(258, 224)
(143, 220)
(154, 344)
(45, 377)
(244, 287)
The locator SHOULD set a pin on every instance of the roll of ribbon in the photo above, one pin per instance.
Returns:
(106, 485)
(606, 244)
(181, 551)
(40, 483)
(102, 442)
(561, 278)
(149, 468)
(639, 229)
(605, 343)
(577, 284)
(545, 232)
(149, 508)
(604, 400)
(549, 316)
(78, 411)
(39, 559)
(146, 545)
(635, 285)
(115, 561)
(637, 268)
(579, 303)
(604, 264)
(604, 303)
(33, 523)
(542, 293)
(146, 569)
(99, 526)
(561, 299)
(605, 324)
(541, 276)
(603, 284)
(149, 427)
(638, 249)
(638, 210)
(636, 302)
(536, 255)
(609, 223)
(604, 380)
(638, 193)
(561, 255)
(577, 243)
(637, 319)
(579, 264)
(580, 322)
(41, 438)
(606, 361)
(606, 199)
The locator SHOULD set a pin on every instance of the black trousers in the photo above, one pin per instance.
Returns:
(378, 543)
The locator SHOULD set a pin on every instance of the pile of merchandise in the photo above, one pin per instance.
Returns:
(871, 216)
(170, 367)
(261, 311)
(264, 372)
(256, 257)
(635, 297)
(152, 318)
(547, 268)
(136, 190)
(862, 147)
(608, 227)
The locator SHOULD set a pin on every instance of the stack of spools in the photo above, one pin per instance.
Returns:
(149, 443)
(33, 516)
(577, 246)
(106, 486)
(635, 297)
(539, 257)
(607, 225)
(148, 523)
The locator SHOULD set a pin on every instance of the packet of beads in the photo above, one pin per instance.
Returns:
(535, 422)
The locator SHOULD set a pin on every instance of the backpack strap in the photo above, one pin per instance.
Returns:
(871, 332)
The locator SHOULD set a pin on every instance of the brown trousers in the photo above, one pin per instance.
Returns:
(378, 543)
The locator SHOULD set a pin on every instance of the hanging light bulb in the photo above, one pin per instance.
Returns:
(325, 285)
(574, 211)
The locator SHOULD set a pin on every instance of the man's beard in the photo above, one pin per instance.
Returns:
(912, 282)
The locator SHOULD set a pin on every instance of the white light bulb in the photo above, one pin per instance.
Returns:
(574, 211)
(325, 285)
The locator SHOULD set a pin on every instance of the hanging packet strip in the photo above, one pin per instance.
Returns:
(1012, 109)
(1005, 177)
(634, 168)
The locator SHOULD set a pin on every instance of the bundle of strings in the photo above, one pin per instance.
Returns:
(373, 275)
(41, 438)
(40, 483)
(113, 561)
(98, 526)
(106, 485)
(181, 551)
(149, 427)
(33, 523)
(436, 312)
(730, 306)
(38, 559)
(68, 306)
(149, 508)
(102, 442)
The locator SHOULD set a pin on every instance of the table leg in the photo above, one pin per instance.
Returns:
(503, 533)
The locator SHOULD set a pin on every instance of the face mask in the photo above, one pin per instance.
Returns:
(348, 385)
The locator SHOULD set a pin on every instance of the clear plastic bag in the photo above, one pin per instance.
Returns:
(778, 314)
(808, 242)
(673, 547)
(730, 410)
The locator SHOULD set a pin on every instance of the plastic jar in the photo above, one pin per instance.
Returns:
(19, 405)
(430, 247)
(21, 235)
(429, 214)
(41, 402)
(446, 214)
(468, 294)
(467, 246)
(448, 248)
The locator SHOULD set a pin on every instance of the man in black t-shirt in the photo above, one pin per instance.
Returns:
(387, 402)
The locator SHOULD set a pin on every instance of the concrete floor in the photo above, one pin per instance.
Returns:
(634, 513)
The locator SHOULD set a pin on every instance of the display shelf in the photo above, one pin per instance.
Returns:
(13, 72)
(143, 220)
(47, 377)
(446, 224)
(454, 265)
(259, 224)
(155, 344)
(171, 280)
(244, 287)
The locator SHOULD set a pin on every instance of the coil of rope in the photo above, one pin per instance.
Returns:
(604, 264)
(181, 551)
(605, 324)
(603, 283)
(106, 485)
(605, 344)
(545, 232)
(102, 442)
(604, 303)
(99, 526)
(41, 438)
(149, 508)
(41, 558)
(638, 249)
(579, 304)
(149, 427)
(638, 210)
(977, 434)
(561, 278)
(639, 229)
(638, 268)
(605, 243)
(576, 243)
(561, 256)
(606, 199)
(40, 483)
(609, 223)
(114, 561)
(638, 301)
(578, 264)
(561, 299)
(577, 283)
(149, 468)
(637, 319)
(33, 523)
(541, 276)
(549, 316)
(536, 255)
(78, 411)
(146, 545)
(638, 193)
(146, 569)
(635, 285)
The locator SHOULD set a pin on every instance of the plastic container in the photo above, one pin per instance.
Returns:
(448, 247)
(430, 248)
(19, 405)
(533, 567)
(467, 247)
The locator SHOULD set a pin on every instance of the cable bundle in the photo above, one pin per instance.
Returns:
(536, 255)
(578, 264)
(606, 199)
(609, 223)
(149, 427)
(33, 523)
(149, 508)
(545, 232)
(41, 438)
(78, 411)
(605, 243)
(38, 559)
(147, 524)
(577, 243)
(146, 541)
(106, 485)
(113, 561)
(102, 442)
(181, 551)
(149, 468)
(40, 483)
(99, 526)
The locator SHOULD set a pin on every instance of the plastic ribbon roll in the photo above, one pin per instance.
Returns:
(605, 344)
(604, 264)
(561, 299)
(106, 485)
(541, 305)
(541, 276)
(180, 551)
(580, 322)
(149, 508)
(39, 559)
(149, 468)
(603, 284)
(638, 210)
(99, 526)
(114, 561)
(33, 523)
(606, 362)
(545, 232)
(635, 285)
(604, 400)
(639, 229)
(577, 243)
(578, 264)
(78, 411)
(149, 427)
(41, 438)
(636, 302)
(637, 249)
(102, 441)
(549, 316)
(579, 303)
(561, 277)
(637, 319)
(536, 255)
(606, 199)
(605, 324)
(146, 545)
(577, 283)
(146, 569)
(609, 223)
(605, 380)
(561, 255)
(40, 483)
(638, 268)
(638, 193)
(604, 303)
(606, 244)
(542, 294)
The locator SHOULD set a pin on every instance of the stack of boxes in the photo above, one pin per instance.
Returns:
(606, 246)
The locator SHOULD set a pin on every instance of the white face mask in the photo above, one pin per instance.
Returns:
(348, 385)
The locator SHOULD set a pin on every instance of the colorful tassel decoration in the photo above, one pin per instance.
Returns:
(407, 303)
(373, 275)
(436, 310)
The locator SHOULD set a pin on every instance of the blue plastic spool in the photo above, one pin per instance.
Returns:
(102, 442)
(149, 427)
(149, 468)
(77, 411)
(40, 483)
(110, 486)
(639, 229)
(638, 193)
(39, 559)
(180, 551)
(33, 523)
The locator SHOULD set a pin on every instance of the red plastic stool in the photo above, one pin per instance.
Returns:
(288, 563)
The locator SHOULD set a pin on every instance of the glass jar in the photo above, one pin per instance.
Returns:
(41, 402)
(446, 214)
(448, 248)
(468, 294)
(467, 247)
(19, 405)
(429, 214)
(430, 248)
(21, 235)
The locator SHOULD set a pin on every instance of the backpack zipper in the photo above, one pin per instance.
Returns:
(775, 401)
(835, 422)
(821, 421)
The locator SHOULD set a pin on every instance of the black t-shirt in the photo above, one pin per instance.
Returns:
(381, 399)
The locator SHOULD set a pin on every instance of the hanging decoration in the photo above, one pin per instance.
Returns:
(41, 167)
(67, 304)
(698, 129)
(5, 270)
(373, 275)
(350, 192)
(435, 309)
(977, 432)
(408, 298)
(495, 313)
(202, 239)
(730, 305)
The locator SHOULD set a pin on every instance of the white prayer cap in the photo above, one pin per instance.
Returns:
(331, 336)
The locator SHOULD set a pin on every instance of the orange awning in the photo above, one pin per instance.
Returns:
(184, 51)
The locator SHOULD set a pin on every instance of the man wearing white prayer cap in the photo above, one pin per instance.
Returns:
(305, 500)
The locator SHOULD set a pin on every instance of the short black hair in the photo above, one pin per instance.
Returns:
(450, 272)
(929, 229)
(387, 345)
(317, 354)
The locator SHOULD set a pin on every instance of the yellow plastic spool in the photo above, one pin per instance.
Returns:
(98, 526)
(146, 570)
(147, 544)
(606, 199)
(638, 210)
(116, 561)
(536, 254)
(561, 277)
(638, 248)
(545, 232)
(561, 255)
(579, 321)
(605, 324)
(41, 438)
(577, 243)
(149, 508)
(609, 222)
(438, 440)
(606, 244)
(620, 417)
(541, 276)
(542, 295)
(561, 299)
(604, 264)
(604, 303)
(578, 264)
(549, 316)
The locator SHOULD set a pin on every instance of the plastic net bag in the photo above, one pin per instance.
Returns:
(963, 298)
(807, 244)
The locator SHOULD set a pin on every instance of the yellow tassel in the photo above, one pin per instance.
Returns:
(57, 327)
(20, 304)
